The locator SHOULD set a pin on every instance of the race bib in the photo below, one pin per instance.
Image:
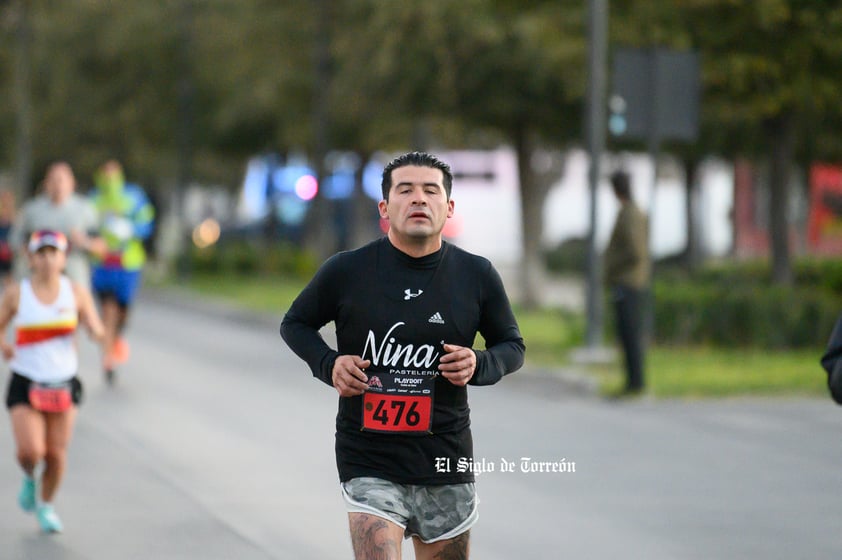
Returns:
(51, 397)
(397, 403)
(122, 229)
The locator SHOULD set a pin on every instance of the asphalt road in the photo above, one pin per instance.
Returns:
(216, 443)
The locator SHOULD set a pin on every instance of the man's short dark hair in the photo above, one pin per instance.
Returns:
(621, 183)
(419, 159)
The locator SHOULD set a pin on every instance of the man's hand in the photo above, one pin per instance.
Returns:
(97, 246)
(348, 377)
(458, 365)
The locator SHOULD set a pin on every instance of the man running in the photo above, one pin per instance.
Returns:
(126, 220)
(58, 208)
(407, 309)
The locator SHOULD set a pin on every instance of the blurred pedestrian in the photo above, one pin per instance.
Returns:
(44, 389)
(126, 220)
(627, 270)
(7, 219)
(58, 208)
(832, 362)
(407, 310)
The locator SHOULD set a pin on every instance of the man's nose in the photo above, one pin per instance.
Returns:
(418, 197)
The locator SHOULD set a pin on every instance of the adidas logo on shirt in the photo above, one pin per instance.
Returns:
(436, 318)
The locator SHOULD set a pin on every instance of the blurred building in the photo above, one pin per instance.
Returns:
(814, 211)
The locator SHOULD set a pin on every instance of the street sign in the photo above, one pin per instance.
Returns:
(655, 95)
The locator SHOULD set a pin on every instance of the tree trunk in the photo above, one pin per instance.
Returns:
(535, 184)
(530, 267)
(692, 255)
(319, 229)
(23, 103)
(364, 227)
(186, 102)
(782, 136)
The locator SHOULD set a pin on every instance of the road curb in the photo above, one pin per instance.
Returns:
(183, 298)
(571, 380)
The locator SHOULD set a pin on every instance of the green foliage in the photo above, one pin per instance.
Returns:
(717, 372)
(487, 63)
(550, 334)
(821, 273)
(109, 78)
(569, 256)
(735, 306)
(809, 273)
(203, 261)
(243, 258)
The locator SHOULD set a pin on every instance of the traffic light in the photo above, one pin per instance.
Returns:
(617, 122)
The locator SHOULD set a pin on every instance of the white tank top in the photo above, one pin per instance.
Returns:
(45, 349)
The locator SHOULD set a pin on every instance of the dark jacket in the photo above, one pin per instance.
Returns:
(832, 362)
(627, 254)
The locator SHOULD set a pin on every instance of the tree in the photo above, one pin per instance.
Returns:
(509, 67)
(770, 75)
(105, 82)
(769, 66)
(521, 72)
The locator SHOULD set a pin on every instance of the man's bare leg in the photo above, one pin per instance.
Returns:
(375, 538)
(111, 321)
(457, 548)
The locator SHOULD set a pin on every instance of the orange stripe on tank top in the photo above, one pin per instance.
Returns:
(31, 335)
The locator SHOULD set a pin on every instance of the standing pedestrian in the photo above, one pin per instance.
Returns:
(44, 389)
(627, 270)
(407, 310)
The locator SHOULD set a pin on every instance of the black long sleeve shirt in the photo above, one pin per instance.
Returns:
(397, 311)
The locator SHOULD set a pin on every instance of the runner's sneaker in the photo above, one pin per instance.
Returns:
(108, 368)
(120, 351)
(48, 519)
(26, 497)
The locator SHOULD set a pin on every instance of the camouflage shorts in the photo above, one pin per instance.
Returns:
(433, 513)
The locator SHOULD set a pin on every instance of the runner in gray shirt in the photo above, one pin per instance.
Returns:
(58, 208)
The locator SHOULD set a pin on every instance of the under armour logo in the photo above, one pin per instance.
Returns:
(409, 295)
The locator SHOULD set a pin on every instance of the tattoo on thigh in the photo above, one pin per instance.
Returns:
(456, 549)
(368, 544)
